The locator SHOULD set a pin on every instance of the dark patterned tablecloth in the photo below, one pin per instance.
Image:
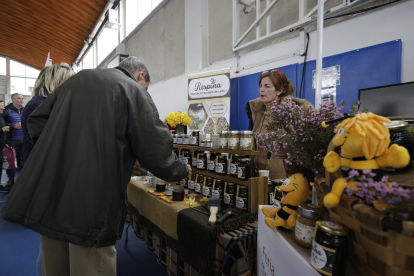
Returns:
(235, 251)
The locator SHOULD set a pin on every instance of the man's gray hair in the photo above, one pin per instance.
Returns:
(134, 65)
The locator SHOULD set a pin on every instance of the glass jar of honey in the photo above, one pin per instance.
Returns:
(234, 140)
(246, 140)
(223, 139)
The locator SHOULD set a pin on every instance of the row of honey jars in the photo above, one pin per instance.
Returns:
(187, 139)
(239, 166)
(235, 195)
(205, 185)
(236, 140)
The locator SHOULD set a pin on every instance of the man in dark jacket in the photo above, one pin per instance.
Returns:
(88, 135)
(14, 138)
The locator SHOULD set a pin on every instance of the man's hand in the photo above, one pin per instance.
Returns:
(17, 126)
(6, 146)
(189, 170)
(6, 128)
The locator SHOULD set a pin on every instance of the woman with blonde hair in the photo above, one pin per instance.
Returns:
(47, 81)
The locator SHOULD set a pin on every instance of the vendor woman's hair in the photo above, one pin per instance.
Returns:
(280, 82)
(50, 78)
(134, 65)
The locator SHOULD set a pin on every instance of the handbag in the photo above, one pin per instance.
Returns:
(9, 158)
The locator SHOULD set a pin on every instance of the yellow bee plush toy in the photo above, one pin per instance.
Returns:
(364, 141)
(295, 190)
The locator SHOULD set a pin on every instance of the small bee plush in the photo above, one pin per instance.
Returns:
(295, 190)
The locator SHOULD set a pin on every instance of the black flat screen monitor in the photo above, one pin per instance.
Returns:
(390, 100)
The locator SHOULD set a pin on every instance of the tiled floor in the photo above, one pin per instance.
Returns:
(19, 248)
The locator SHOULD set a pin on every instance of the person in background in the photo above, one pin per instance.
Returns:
(274, 87)
(12, 116)
(47, 81)
(88, 134)
(3, 129)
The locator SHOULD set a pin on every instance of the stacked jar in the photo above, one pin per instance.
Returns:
(195, 135)
(234, 140)
(223, 139)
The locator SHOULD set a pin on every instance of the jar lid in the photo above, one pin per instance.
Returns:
(396, 125)
(174, 135)
(278, 181)
(333, 228)
(245, 159)
(215, 135)
(228, 184)
(243, 187)
(246, 132)
(224, 132)
(234, 132)
(209, 177)
(311, 210)
(219, 181)
(195, 131)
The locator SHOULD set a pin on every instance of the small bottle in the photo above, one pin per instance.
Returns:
(169, 189)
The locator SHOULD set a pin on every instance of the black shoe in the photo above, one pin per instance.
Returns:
(4, 190)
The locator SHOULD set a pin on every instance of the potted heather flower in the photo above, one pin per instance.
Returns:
(389, 197)
(296, 135)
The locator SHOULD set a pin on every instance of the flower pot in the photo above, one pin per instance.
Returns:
(180, 129)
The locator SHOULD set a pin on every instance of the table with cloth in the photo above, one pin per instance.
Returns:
(184, 242)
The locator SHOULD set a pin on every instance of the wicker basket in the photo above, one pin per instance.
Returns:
(379, 246)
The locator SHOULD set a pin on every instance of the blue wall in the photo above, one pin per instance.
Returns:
(372, 66)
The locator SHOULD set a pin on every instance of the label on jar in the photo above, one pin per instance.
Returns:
(223, 142)
(219, 168)
(206, 191)
(271, 198)
(211, 165)
(168, 190)
(174, 140)
(184, 159)
(200, 164)
(322, 258)
(191, 184)
(277, 204)
(197, 187)
(246, 143)
(228, 199)
(241, 172)
(241, 203)
(180, 140)
(183, 182)
(208, 144)
(304, 232)
(194, 162)
(233, 168)
(234, 142)
(215, 194)
(186, 141)
(193, 141)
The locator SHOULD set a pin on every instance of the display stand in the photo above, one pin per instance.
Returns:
(278, 251)
(257, 186)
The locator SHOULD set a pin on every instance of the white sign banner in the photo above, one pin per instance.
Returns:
(209, 101)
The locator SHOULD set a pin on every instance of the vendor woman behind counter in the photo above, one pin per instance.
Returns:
(274, 87)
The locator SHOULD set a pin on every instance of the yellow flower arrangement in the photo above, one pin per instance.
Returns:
(178, 118)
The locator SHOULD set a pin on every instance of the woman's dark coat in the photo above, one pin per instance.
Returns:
(89, 133)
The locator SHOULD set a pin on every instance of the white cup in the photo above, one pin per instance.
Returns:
(153, 181)
(186, 191)
(263, 173)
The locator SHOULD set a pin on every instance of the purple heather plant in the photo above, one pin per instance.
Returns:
(295, 134)
(370, 191)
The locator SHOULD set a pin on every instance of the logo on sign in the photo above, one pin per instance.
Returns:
(209, 87)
